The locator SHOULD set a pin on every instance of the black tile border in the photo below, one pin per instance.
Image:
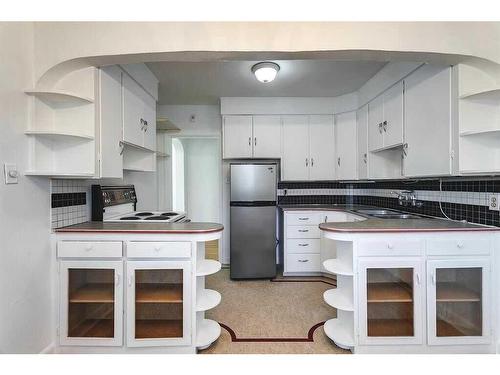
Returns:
(68, 199)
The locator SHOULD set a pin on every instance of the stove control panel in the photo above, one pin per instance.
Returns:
(105, 196)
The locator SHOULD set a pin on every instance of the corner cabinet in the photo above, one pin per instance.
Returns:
(158, 303)
(346, 146)
(390, 301)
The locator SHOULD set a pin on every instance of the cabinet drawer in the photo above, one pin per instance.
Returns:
(89, 249)
(459, 246)
(140, 249)
(303, 218)
(306, 245)
(303, 263)
(390, 247)
(302, 231)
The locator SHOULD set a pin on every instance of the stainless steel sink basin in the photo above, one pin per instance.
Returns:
(397, 216)
(377, 211)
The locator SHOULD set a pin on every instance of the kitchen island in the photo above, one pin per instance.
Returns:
(419, 285)
(135, 288)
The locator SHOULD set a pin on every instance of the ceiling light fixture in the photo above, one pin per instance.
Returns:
(265, 71)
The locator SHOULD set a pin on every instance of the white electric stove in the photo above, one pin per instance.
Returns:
(118, 204)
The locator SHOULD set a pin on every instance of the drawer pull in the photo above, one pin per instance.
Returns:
(460, 245)
(303, 218)
(390, 246)
(303, 260)
(303, 244)
(157, 248)
(88, 247)
(303, 230)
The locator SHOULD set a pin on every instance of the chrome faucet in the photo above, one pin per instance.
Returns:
(407, 198)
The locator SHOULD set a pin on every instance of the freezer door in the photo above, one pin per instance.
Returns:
(253, 242)
(253, 182)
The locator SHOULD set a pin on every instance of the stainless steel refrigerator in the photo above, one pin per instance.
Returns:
(253, 220)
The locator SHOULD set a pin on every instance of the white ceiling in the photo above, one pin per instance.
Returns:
(205, 82)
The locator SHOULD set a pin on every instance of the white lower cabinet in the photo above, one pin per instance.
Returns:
(390, 301)
(458, 301)
(91, 303)
(158, 303)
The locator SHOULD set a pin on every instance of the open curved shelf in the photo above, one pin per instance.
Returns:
(337, 299)
(58, 174)
(340, 333)
(479, 132)
(492, 93)
(58, 134)
(207, 267)
(206, 333)
(338, 267)
(60, 98)
(207, 299)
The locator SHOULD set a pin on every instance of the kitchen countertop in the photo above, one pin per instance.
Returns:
(375, 225)
(167, 228)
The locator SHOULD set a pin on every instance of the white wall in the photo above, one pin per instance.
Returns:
(207, 119)
(26, 271)
(146, 186)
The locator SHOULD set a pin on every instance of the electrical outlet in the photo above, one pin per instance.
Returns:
(493, 202)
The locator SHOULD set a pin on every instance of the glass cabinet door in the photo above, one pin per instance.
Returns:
(390, 301)
(158, 303)
(91, 303)
(457, 301)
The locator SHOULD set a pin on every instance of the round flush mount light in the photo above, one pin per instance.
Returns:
(265, 71)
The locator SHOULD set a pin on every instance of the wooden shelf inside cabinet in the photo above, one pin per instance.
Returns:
(390, 327)
(152, 328)
(93, 293)
(452, 292)
(58, 134)
(93, 328)
(60, 98)
(206, 333)
(207, 299)
(338, 299)
(340, 333)
(389, 292)
(158, 293)
(445, 329)
(207, 267)
(338, 267)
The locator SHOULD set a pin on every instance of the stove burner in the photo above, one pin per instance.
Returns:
(157, 218)
(169, 214)
(144, 214)
(130, 218)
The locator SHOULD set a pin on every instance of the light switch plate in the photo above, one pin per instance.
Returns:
(10, 173)
(493, 202)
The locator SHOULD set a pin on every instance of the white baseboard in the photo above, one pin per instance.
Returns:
(50, 349)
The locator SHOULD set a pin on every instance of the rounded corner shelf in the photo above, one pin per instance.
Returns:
(341, 334)
(337, 267)
(207, 267)
(480, 132)
(58, 134)
(207, 299)
(492, 93)
(57, 98)
(207, 332)
(336, 299)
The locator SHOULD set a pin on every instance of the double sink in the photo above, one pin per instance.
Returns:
(387, 214)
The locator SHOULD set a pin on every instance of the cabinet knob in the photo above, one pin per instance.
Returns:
(384, 126)
(88, 247)
(307, 162)
(460, 245)
(249, 141)
(390, 246)
(338, 161)
(255, 141)
(312, 162)
(365, 158)
(157, 248)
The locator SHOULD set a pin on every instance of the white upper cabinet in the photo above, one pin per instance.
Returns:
(393, 116)
(252, 137)
(139, 115)
(385, 119)
(295, 161)
(238, 136)
(427, 149)
(321, 148)
(346, 142)
(266, 136)
(375, 120)
(362, 137)
(111, 122)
